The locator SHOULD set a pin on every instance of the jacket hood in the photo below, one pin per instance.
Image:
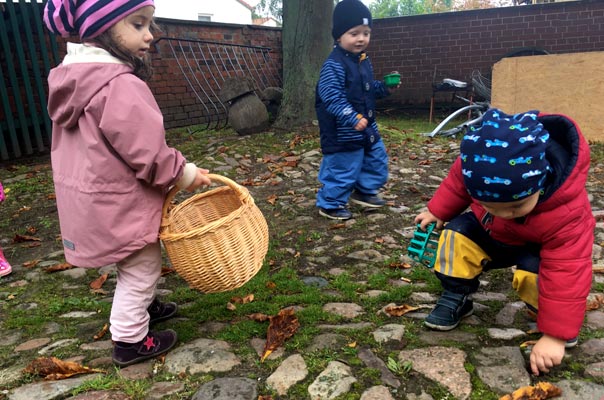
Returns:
(84, 71)
(569, 159)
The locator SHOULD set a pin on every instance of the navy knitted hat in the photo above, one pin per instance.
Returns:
(348, 14)
(503, 160)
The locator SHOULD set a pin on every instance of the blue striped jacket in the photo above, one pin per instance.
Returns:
(345, 93)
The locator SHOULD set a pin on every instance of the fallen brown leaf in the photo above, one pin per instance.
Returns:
(231, 307)
(592, 305)
(399, 265)
(243, 300)
(167, 271)
(282, 326)
(98, 282)
(53, 369)
(258, 317)
(336, 226)
(31, 264)
(397, 311)
(59, 267)
(102, 332)
(272, 199)
(290, 163)
(271, 285)
(25, 238)
(265, 397)
(540, 391)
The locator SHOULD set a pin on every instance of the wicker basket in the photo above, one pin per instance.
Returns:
(216, 240)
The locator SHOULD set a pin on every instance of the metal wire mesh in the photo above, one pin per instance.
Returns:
(206, 65)
(481, 85)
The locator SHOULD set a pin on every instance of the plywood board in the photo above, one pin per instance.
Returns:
(569, 84)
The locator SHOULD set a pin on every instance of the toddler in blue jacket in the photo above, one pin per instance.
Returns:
(355, 163)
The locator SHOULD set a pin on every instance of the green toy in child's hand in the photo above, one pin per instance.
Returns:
(423, 245)
(392, 80)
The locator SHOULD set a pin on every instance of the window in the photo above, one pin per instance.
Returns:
(204, 17)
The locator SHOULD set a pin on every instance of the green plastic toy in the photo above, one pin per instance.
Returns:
(423, 245)
(392, 80)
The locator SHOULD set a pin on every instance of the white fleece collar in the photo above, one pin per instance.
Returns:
(85, 53)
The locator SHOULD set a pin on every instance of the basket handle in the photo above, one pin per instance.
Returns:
(241, 191)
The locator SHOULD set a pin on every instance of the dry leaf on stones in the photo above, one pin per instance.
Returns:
(102, 332)
(59, 267)
(282, 326)
(98, 282)
(53, 369)
(397, 311)
(540, 391)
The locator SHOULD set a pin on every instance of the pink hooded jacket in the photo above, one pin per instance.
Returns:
(111, 164)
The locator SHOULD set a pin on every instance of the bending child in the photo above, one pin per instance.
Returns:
(523, 177)
(111, 165)
(355, 163)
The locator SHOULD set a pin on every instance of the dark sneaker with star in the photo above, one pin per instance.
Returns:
(154, 344)
(449, 310)
(367, 200)
(335, 213)
(159, 311)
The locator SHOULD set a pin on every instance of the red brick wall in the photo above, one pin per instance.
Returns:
(455, 43)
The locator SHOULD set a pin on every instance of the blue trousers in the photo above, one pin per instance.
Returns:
(364, 170)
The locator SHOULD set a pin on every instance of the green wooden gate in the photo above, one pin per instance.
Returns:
(27, 52)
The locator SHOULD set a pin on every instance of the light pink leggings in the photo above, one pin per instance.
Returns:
(137, 277)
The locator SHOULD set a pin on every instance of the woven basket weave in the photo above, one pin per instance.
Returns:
(216, 240)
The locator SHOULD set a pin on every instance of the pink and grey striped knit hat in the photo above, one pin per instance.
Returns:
(87, 18)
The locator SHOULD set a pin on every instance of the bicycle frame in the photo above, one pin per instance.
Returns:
(479, 107)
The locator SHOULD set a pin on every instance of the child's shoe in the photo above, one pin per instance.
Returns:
(335, 213)
(5, 267)
(367, 200)
(159, 311)
(153, 345)
(449, 310)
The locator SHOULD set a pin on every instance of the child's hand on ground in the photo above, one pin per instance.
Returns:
(426, 218)
(201, 179)
(547, 353)
(361, 125)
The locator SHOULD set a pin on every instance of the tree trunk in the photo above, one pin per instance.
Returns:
(307, 41)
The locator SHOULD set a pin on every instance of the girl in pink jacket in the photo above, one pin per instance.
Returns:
(5, 267)
(111, 164)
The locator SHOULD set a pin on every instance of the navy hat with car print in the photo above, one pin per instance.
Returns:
(503, 160)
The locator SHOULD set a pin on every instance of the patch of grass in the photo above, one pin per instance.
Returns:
(135, 389)
(480, 391)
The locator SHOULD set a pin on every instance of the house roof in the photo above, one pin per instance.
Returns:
(245, 4)
(263, 20)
